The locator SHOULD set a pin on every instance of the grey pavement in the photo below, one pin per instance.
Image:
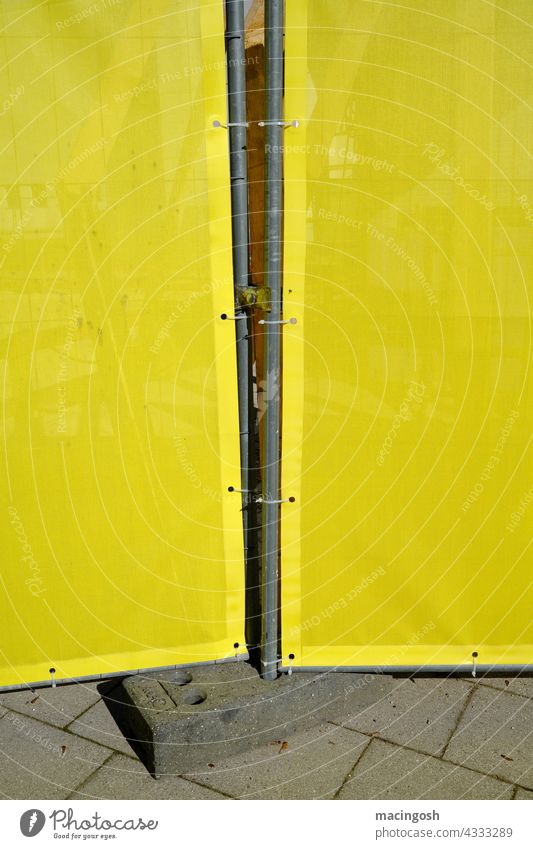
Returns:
(417, 712)
(400, 738)
(495, 736)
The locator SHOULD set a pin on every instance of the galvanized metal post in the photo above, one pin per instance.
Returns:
(236, 60)
(271, 417)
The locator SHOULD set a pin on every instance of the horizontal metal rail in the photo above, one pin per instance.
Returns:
(463, 669)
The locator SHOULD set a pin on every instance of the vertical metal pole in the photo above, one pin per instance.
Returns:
(236, 60)
(271, 418)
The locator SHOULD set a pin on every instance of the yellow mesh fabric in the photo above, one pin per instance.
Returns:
(121, 546)
(407, 381)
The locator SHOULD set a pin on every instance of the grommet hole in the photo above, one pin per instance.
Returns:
(194, 696)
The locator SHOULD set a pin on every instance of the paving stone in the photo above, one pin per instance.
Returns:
(495, 736)
(420, 713)
(124, 778)
(520, 686)
(98, 724)
(58, 705)
(523, 794)
(387, 771)
(312, 765)
(43, 762)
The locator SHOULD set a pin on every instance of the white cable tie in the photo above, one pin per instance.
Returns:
(218, 124)
(226, 317)
(474, 660)
(291, 658)
(232, 489)
(262, 500)
(287, 321)
(53, 674)
(285, 124)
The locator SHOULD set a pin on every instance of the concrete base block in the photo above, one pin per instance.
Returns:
(185, 719)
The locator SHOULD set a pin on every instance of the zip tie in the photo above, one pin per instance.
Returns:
(291, 658)
(284, 124)
(226, 317)
(218, 124)
(291, 500)
(287, 321)
(52, 673)
(474, 660)
(232, 489)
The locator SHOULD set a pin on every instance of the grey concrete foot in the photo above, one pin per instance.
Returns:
(185, 719)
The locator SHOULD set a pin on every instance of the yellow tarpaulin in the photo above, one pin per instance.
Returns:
(407, 390)
(121, 546)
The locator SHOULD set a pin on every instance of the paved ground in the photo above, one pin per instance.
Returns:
(401, 739)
